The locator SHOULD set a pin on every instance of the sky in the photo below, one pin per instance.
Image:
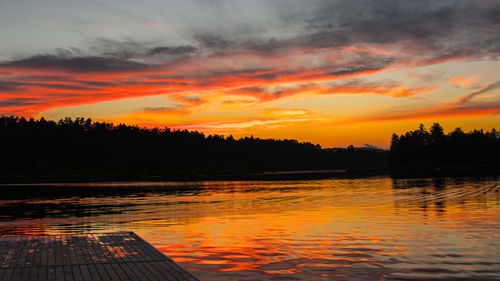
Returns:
(333, 73)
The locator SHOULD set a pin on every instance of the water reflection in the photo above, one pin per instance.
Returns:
(345, 229)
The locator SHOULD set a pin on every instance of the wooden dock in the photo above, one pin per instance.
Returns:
(120, 256)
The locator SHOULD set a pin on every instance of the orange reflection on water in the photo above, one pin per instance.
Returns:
(362, 229)
(341, 230)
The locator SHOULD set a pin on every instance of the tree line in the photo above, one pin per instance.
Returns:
(86, 148)
(435, 148)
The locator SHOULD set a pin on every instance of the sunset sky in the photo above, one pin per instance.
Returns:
(328, 72)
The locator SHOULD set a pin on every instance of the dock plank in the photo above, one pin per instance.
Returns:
(42, 274)
(16, 276)
(8, 274)
(94, 272)
(102, 274)
(51, 273)
(122, 256)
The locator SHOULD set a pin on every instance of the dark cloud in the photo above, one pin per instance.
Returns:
(384, 21)
(349, 70)
(9, 86)
(213, 42)
(440, 26)
(433, 30)
(270, 46)
(76, 64)
(429, 31)
(252, 90)
(97, 83)
(202, 77)
(103, 55)
(20, 101)
(16, 83)
(160, 109)
(125, 49)
(179, 50)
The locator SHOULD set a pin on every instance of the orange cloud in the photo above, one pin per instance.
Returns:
(269, 93)
(27, 91)
(35, 84)
(223, 123)
(463, 82)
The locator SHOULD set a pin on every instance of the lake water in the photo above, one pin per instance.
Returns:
(339, 229)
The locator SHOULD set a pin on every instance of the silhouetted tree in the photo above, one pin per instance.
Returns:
(421, 148)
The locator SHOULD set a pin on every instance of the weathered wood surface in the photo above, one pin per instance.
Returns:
(120, 256)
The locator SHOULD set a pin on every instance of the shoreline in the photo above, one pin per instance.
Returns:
(406, 172)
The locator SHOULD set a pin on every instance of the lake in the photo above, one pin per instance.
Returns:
(337, 229)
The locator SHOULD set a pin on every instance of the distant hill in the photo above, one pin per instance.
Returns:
(353, 148)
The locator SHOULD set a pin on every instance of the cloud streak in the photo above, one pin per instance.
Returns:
(485, 89)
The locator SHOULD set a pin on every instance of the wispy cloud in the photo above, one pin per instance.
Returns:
(485, 89)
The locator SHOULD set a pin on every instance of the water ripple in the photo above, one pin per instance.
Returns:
(339, 229)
